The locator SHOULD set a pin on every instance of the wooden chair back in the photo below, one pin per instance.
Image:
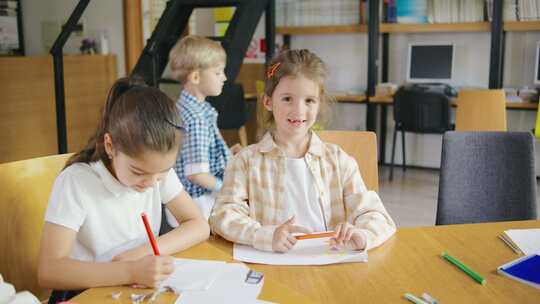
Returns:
(481, 110)
(362, 146)
(26, 186)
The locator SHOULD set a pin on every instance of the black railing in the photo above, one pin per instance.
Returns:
(58, 62)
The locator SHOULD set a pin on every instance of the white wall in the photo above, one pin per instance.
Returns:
(99, 16)
(346, 57)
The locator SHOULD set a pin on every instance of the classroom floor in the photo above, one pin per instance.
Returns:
(411, 198)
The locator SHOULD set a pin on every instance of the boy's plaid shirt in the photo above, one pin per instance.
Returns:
(203, 148)
(251, 204)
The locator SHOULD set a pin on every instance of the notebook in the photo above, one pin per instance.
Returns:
(193, 274)
(523, 241)
(525, 270)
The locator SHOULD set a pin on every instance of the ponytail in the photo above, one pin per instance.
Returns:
(133, 112)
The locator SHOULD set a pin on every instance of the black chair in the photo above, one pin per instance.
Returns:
(486, 177)
(420, 110)
(231, 108)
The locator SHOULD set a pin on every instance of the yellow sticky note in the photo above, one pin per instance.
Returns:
(223, 14)
(220, 28)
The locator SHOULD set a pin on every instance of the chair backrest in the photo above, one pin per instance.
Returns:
(418, 109)
(481, 110)
(26, 186)
(486, 177)
(362, 146)
(231, 106)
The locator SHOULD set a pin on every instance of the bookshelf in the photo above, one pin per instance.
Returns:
(392, 28)
(434, 27)
(509, 26)
(323, 29)
(521, 26)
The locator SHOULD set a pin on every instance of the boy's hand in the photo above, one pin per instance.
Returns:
(283, 239)
(236, 148)
(348, 235)
(152, 270)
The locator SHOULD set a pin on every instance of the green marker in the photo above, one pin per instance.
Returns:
(478, 278)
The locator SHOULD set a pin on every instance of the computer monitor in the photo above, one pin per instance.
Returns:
(537, 65)
(430, 62)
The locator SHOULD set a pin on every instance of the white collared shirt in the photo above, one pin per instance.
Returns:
(106, 214)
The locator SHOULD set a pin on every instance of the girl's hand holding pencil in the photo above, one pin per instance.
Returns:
(151, 270)
(283, 239)
(345, 235)
(349, 236)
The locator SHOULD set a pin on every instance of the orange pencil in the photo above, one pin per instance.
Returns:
(315, 235)
(151, 238)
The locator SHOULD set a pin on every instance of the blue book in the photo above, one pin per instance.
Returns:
(411, 11)
(525, 270)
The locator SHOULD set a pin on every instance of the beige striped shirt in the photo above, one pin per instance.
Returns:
(251, 203)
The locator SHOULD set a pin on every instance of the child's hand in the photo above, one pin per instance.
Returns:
(348, 235)
(152, 270)
(283, 239)
(130, 255)
(236, 148)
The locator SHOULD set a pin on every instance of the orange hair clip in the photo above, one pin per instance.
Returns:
(272, 70)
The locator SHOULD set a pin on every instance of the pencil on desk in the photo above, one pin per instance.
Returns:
(151, 238)
(414, 299)
(315, 235)
(428, 298)
(478, 278)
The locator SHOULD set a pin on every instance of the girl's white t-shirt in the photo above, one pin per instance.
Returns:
(106, 215)
(301, 195)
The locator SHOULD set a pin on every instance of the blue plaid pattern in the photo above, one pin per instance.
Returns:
(203, 148)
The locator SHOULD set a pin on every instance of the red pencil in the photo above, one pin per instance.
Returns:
(150, 234)
(315, 235)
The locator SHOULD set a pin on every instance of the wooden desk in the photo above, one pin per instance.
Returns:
(409, 262)
(385, 101)
(272, 291)
(509, 105)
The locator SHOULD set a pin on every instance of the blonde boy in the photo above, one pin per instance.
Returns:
(198, 64)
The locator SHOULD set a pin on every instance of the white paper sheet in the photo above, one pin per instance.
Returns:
(193, 275)
(305, 252)
(528, 240)
(229, 287)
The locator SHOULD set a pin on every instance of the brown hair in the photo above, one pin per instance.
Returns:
(138, 118)
(193, 52)
(295, 63)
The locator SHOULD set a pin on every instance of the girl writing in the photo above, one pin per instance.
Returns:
(93, 233)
